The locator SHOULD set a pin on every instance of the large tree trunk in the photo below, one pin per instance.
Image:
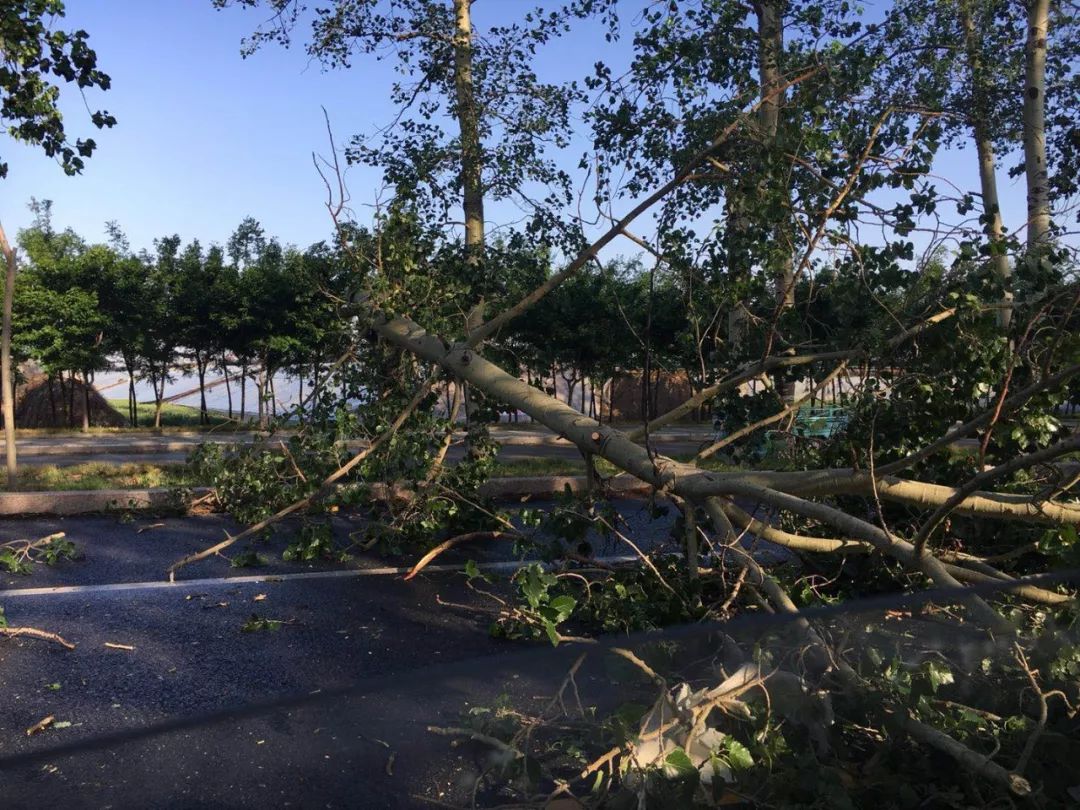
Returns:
(6, 376)
(770, 40)
(984, 147)
(770, 48)
(1038, 191)
(467, 116)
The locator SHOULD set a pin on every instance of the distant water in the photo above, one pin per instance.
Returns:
(287, 391)
(114, 385)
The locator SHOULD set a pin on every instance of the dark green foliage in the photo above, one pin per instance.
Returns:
(35, 54)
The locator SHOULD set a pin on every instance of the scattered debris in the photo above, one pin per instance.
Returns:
(40, 725)
(257, 623)
(33, 632)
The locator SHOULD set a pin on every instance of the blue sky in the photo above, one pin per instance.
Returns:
(205, 137)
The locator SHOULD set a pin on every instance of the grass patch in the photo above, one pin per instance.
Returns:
(530, 467)
(102, 475)
(173, 415)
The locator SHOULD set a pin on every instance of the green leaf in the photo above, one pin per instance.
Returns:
(738, 755)
(552, 633)
(472, 571)
(938, 675)
(680, 763)
(563, 606)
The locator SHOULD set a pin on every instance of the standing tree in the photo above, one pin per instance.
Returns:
(161, 333)
(197, 283)
(33, 54)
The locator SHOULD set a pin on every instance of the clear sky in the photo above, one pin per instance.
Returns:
(205, 137)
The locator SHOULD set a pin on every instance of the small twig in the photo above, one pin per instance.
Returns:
(40, 725)
(33, 632)
(644, 558)
(446, 545)
(1040, 723)
(113, 646)
(494, 742)
(292, 461)
(651, 673)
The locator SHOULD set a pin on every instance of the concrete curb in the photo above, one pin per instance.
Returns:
(98, 501)
(88, 501)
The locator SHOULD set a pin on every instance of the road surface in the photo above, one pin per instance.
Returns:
(408, 659)
(121, 448)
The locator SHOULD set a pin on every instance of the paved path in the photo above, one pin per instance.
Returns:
(408, 654)
(414, 661)
(173, 448)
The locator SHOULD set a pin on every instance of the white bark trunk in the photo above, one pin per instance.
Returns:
(1038, 192)
(6, 381)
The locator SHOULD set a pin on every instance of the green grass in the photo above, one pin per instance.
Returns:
(175, 416)
(531, 467)
(102, 475)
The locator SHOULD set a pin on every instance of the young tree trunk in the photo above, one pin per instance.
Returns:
(273, 394)
(1038, 192)
(228, 384)
(86, 401)
(71, 398)
(200, 368)
(6, 376)
(571, 384)
(158, 383)
(52, 399)
(260, 389)
(243, 390)
(984, 147)
(300, 394)
(129, 366)
(201, 363)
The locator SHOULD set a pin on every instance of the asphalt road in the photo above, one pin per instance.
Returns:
(414, 654)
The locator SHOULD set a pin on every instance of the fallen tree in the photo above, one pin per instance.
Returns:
(951, 469)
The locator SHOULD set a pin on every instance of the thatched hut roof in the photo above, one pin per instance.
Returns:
(36, 406)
